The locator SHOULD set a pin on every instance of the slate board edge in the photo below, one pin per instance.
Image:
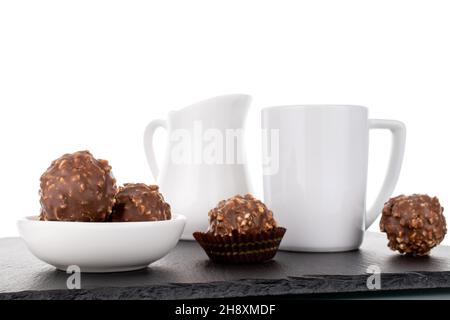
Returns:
(298, 286)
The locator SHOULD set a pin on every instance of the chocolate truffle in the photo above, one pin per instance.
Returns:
(245, 214)
(77, 187)
(140, 202)
(413, 224)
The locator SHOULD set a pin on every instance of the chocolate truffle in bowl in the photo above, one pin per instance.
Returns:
(140, 202)
(77, 187)
(414, 224)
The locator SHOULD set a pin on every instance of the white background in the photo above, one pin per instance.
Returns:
(91, 74)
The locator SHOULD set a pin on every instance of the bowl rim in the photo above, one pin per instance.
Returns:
(35, 220)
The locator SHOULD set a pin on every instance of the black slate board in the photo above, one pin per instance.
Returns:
(186, 273)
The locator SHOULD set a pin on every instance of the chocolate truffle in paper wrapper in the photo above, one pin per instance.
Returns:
(77, 187)
(413, 224)
(140, 202)
(242, 230)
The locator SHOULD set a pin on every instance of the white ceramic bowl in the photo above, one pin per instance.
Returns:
(101, 246)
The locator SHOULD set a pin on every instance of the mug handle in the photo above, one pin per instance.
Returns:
(148, 144)
(398, 130)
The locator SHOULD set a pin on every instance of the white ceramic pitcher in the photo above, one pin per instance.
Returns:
(205, 159)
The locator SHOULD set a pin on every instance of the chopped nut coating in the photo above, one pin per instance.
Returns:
(245, 214)
(140, 202)
(77, 187)
(413, 224)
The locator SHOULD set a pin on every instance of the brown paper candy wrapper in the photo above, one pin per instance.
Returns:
(241, 248)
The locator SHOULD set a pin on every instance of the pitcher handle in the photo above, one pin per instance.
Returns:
(148, 144)
(398, 131)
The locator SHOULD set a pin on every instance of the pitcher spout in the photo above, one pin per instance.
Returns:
(228, 109)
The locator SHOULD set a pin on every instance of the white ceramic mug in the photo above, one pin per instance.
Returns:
(317, 189)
